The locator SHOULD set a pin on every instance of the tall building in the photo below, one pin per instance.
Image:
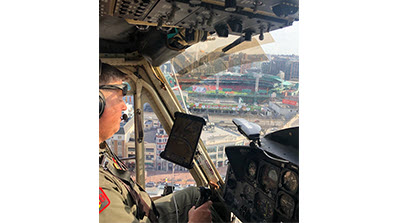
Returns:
(118, 142)
(149, 154)
(294, 71)
(161, 138)
(288, 64)
(216, 139)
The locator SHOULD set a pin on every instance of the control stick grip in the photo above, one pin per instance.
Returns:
(205, 194)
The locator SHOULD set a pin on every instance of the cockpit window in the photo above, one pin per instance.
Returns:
(256, 80)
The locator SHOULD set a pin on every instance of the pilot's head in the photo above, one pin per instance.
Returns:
(111, 104)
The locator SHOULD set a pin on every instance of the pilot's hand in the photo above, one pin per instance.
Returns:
(200, 214)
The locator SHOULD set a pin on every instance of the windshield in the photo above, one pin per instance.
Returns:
(256, 80)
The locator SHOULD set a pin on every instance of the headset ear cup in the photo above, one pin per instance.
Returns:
(101, 104)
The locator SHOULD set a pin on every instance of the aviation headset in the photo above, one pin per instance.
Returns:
(101, 96)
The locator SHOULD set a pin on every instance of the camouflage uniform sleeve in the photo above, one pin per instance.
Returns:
(115, 203)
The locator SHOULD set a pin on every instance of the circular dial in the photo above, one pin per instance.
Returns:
(290, 181)
(264, 208)
(273, 175)
(269, 181)
(248, 192)
(252, 169)
(286, 204)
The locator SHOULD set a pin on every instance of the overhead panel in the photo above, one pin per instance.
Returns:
(223, 17)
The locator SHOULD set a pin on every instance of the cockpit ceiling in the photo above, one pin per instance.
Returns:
(209, 15)
(122, 20)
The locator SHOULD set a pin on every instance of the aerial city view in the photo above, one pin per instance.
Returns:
(266, 93)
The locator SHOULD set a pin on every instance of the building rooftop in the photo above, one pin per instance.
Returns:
(219, 135)
(281, 105)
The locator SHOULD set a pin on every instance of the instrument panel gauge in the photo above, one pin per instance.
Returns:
(248, 192)
(268, 179)
(251, 169)
(290, 181)
(286, 205)
(263, 206)
(273, 175)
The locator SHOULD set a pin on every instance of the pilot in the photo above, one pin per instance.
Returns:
(120, 198)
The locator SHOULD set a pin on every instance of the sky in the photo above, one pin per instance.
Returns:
(286, 41)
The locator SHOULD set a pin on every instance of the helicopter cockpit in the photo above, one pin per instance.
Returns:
(173, 52)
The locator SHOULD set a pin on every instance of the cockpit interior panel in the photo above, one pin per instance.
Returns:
(174, 25)
(261, 186)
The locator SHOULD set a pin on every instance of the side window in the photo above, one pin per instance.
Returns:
(160, 172)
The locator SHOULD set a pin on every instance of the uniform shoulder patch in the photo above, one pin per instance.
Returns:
(103, 200)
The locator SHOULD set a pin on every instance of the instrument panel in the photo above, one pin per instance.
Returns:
(260, 189)
(161, 29)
